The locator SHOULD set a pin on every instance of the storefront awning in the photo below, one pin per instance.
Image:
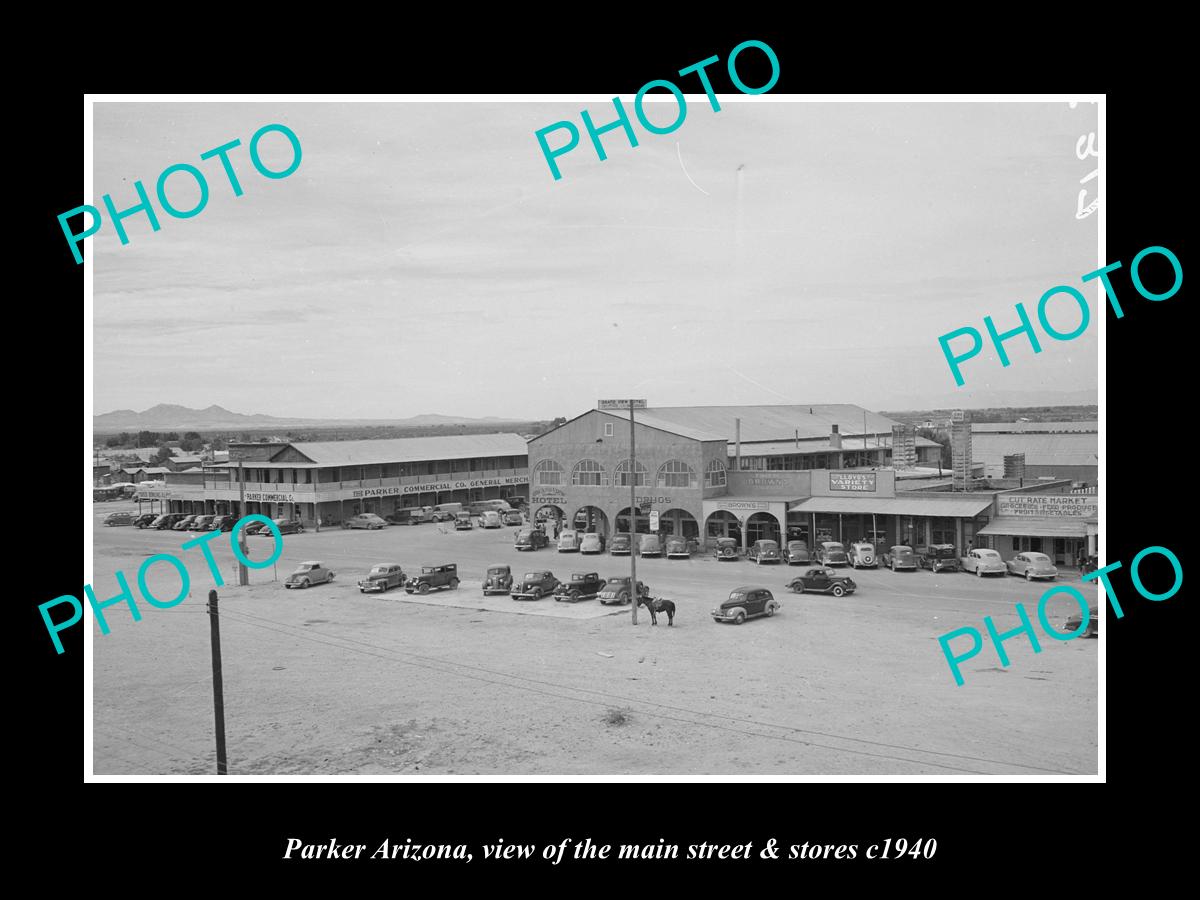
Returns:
(896, 506)
(1036, 526)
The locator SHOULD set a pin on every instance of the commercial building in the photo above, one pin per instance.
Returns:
(333, 480)
(1055, 450)
(752, 472)
(1048, 518)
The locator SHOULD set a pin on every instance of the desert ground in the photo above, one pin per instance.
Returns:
(331, 681)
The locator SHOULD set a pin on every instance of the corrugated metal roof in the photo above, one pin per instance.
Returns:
(900, 506)
(417, 449)
(1039, 449)
(785, 448)
(1034, 526)
(1091, 426)
(773, 423)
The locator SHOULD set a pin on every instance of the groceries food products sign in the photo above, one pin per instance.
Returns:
(1043, 505)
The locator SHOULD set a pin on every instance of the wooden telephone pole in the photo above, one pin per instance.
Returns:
(633, 585)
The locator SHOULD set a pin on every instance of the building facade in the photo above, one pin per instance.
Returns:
(333, 480)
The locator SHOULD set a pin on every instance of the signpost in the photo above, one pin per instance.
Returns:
(654, 520)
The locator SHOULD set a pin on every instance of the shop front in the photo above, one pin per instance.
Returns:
(1063, 526)
(915, 520)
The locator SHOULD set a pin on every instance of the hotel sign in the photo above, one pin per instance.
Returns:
(852, 481)
(1047, 505)
(620, 404)
(432, 486)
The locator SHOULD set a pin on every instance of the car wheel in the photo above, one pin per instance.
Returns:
(574, 596)
(453, 584)
(739, 618)
(1028, 575)
(423, 588)
(304, 582)
(727, 553)
(536, 593)
(623, 598)
(770, 610)
(838, 590)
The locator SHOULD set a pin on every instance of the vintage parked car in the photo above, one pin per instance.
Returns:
(900, 557)
(727, 548)
(222, 523)
(201, 523)
(983, 562)
(797, 553)
(121, 518)
(820, 580)
(1093, 627)
(443, 576)
(862, 555)
(462, 521)
(582, 586)
(369, 521)
(622, 545)
(568, 542)
(650, 545)
(165, 521)
(678, 547)
(591, 543)
(530, 539)
(1032, 565)
(308, 574)
(763, 551)
(289, 526)
(534, 585)
(382, 577)
(938, 558)
(831, 553)
(184, 524)
(746, 603)
(256, 527)
(512, 517)
(489, 518)
(498, 580)
(145, 520)
(616, 590)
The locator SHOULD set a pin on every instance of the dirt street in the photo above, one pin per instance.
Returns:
(329, 680)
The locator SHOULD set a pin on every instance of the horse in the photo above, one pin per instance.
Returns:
(657, 605)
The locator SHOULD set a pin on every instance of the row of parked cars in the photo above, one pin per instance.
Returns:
(185, 522)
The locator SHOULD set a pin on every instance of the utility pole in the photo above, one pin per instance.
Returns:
(218, 687)
(633, 585)
(243, 572)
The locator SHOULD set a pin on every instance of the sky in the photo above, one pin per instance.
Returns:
(422, 258)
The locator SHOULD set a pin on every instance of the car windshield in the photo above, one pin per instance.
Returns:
(737, 595)
(988, 554)
(768, 545)
(305, 567)
(533, 576)
(379, 570)
(498, 570)
(427, 570)
(522, 535)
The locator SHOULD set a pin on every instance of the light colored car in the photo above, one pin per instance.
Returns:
(307, 574)
(983, 562)
(899, 557)
(1032, 565)
(832, 553)
(568, 541)
(489, 518)
(370, 521)
(591, 543)
(381, 578)
(862, 556)
(678, 547)
(797, 553)
(650, 545)
(763, 551)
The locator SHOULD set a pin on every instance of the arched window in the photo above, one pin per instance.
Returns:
(588, 473)
(714, 475)
(548, 472)
(622, 474)
(675, 473)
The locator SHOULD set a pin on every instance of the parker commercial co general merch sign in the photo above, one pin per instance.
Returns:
(852, 481)
(433, 486)
(1047, 505)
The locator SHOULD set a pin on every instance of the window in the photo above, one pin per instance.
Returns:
(608, 429)
(623, 476)
(675, 473)
(714, 475)
(588, 473)
(548, 472)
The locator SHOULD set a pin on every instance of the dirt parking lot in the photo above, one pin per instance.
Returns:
(329, 680)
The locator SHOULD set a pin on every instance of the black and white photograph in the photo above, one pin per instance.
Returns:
(732, 435)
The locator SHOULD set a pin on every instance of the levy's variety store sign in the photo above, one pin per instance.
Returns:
(1047, 505)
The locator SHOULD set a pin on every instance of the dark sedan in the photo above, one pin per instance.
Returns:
(822, 581)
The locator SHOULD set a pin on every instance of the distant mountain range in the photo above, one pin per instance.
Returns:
(170, 417)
